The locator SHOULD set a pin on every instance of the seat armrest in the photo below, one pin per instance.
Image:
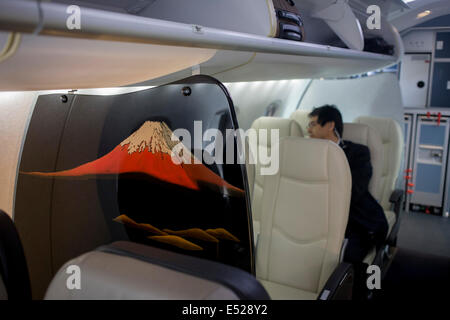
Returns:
(397, 198)
(340, 284)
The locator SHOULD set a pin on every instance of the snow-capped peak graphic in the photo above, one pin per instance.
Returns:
(149, 150)
(156, 136)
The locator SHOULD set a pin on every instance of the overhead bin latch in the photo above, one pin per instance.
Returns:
(290, 24)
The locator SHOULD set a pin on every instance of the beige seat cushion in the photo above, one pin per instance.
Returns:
(287, 128)
(107, 276)
(282, 292)
(367, 136)
(370, 256)
(391, 218)
(392, 139)
(305, 212)
(301, 116)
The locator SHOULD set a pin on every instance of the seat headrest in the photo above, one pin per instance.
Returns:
(287, 127)
(392, 139)
(322, 154)
(301, 117)
(368, 136)
(362, 134)
(127, 270)
(388, 128)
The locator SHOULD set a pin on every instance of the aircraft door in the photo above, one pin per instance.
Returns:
(414, 75)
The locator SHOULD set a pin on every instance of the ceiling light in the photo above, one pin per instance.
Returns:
(423, 14)
(408, 1)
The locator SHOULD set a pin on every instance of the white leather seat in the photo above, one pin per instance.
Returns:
(301, 117)
(286, 127)
(367, 136)
(304, 216)
(125, 270)
(391, 219)
(392, 140)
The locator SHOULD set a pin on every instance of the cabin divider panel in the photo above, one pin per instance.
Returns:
(104, 171)
(32, 204)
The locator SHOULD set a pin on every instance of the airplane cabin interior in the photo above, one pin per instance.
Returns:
(163, 149)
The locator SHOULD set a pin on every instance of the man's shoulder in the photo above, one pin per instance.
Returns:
(355, 146)
(357, 150)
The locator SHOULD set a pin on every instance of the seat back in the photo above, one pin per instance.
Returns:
(301, 117)
(305, 213)
(125, 270)
(392, 140)
(365, 135)
(287, 128)
(14, 278)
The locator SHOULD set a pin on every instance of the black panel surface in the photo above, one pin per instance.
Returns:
(440, 93)
(85, 208)
(444, 50)
(33, 195)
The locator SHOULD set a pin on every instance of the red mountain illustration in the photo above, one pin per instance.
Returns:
(149, 151)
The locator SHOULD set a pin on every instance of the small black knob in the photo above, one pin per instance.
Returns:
(186, 91)
(64, 98)
(421, 84)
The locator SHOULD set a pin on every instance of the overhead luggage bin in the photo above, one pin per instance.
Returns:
(229, 55)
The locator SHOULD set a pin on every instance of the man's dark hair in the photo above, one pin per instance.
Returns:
(328, 113)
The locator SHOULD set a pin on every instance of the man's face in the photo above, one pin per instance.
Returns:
(317, 131)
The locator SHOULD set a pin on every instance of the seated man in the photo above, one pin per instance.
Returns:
(367, 225)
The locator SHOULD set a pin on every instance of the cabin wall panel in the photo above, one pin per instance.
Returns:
(254, 99)
(418, 42)
(15, 109)
(32, 211)
(377, 96)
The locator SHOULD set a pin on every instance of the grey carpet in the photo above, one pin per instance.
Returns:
(425, 233)
(420, 269)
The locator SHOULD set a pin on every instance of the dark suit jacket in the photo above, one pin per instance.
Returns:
(366, 217)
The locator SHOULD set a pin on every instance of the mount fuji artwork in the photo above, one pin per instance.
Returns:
(149, 151)
(136, 166)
